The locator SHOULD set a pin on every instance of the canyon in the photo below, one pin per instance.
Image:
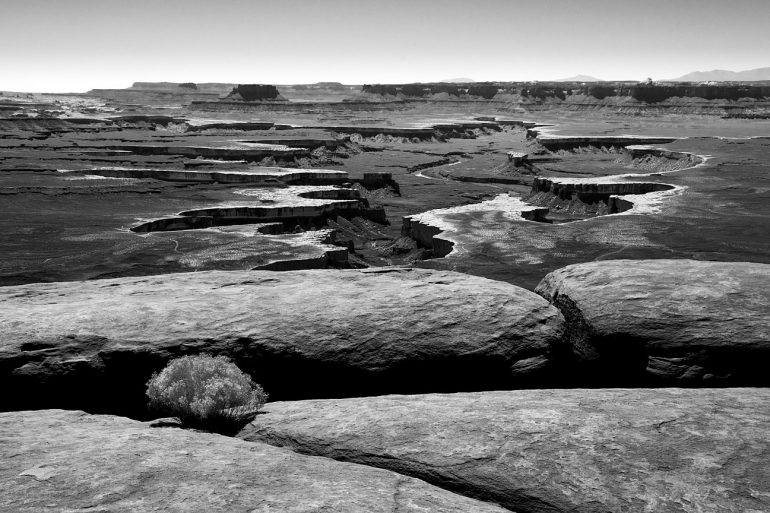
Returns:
(493, 296)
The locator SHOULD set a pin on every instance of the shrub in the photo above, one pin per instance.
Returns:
(206, 392)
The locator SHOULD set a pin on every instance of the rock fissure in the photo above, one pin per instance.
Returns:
(114, 463)
(443, 476)
(533, 451)
(133, 333)
(665, 322)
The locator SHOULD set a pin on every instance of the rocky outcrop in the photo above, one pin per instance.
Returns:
(379, 181)
(597, 196)
(306, 207)
(330, 143)
(160, 94)
(254, 175)
(682, 322)
(583, 451)
(641, 151)
(230, 125)
(565, 142)
(653, 93)
(564, 91)
(255, 92)
(435, 131)
(212, 87)
(438, 229)
(143, 120)
(57, 460)
(485, 90)
(517, 158)
(426, 235)
(317, 107)
(233, 151)
(93, 345)
(373, 131)
(636, 150)
(585, 188)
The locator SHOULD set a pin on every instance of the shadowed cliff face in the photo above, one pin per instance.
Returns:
(579, 200)
(564, 199)
(305, 208)
(486, 91)
(541, 90)
(571, 143)
(653, 93)
(658, 93)
(256, 92)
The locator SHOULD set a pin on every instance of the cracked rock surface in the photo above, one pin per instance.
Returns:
(677, 322)
(56, 460)
(579, 450)
(302, 334)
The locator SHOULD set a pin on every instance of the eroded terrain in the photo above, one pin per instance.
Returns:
(344, 243)
(89, 183)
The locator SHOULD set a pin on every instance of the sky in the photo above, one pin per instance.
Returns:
(77, 45)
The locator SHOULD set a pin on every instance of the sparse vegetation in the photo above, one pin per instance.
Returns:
(206, 392)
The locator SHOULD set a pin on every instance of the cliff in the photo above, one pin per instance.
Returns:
(485, 90)
(647, 92)
(255, 92)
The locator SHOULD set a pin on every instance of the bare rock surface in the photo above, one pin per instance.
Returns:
(578, 450)
(667, 321)
(56, 460)
(302, 334)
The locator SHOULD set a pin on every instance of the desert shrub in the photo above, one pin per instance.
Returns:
(206, 392)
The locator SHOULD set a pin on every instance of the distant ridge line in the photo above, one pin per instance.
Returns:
(721, 75)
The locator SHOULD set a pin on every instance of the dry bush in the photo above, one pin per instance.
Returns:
(206, 392)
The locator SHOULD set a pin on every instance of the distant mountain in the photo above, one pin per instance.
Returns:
(457, 81)
(580, 78)
(720, 75)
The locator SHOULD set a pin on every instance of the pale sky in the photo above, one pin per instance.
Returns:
(77, 45)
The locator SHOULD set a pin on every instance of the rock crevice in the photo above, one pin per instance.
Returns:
(665, 322)
(534, 451)
(70, 461)
(346, 332)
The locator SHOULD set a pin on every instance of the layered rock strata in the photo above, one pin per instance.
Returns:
(305, 207)
(260, 175)
(250, 152)
(425, 228)
(608, 191)
(564, 142)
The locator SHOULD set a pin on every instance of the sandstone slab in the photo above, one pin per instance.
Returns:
(56, 460)
(578, 450)
(301, 334)
(666, 321)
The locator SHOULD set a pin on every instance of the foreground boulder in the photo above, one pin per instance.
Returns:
(56, 460)
(579, 450)
(93, 345)
(683, 322)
